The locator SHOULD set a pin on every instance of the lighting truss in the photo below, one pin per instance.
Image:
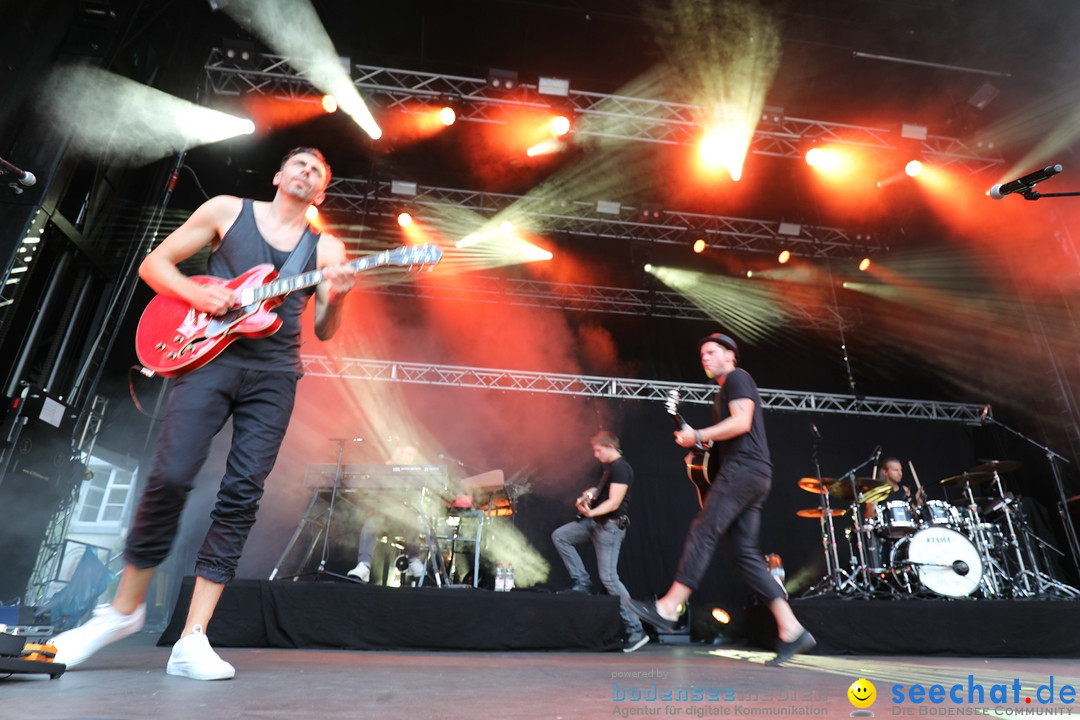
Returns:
(616, 116)
(596, 298)
(582, 218)
(364, 369)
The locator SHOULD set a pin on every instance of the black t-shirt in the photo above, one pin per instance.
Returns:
(617, 471)
(749, 448)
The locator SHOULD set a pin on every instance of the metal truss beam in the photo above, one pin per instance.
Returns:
(669, 227)
(628, 388)
(599, 115)
(599, 299)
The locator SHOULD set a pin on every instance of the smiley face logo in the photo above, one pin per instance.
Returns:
(862, 693)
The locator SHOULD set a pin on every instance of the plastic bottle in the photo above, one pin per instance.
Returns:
(509, 577)
(500, 578)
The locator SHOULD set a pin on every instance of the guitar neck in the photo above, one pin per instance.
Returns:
(284, 286)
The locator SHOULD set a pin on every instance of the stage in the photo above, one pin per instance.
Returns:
(353, 616)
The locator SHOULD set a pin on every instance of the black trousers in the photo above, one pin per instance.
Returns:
(260, 404)
(732, 508)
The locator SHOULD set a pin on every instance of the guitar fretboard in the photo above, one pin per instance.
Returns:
(284, 286)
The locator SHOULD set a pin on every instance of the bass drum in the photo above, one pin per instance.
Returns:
(945, 561)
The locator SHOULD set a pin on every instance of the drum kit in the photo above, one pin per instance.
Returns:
(969, 547)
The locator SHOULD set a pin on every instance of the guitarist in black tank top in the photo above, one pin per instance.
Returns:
(253, 381)
(732, 506)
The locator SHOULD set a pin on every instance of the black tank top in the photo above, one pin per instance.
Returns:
(242, 248)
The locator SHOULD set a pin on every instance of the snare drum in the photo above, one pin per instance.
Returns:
(895, 519)
(938, 513)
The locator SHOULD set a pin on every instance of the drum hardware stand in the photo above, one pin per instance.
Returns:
(858, 524)
(993, 572)
(1043, 582)
(1063, 507)
(834, 579)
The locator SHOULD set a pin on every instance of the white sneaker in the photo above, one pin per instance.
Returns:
(416, 568)
(192, 657)
(106, 626)
(361, 572)
(636, 643)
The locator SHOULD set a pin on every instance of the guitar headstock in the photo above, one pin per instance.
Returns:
(410, 255)
(672, 402)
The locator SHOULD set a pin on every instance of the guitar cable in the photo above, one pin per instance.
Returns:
(146, 372)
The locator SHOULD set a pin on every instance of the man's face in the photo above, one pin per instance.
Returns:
(716, 359)
(303, 176)
(893, 471)
(605, 453)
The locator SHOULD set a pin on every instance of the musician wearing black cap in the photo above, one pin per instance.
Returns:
(732, 507)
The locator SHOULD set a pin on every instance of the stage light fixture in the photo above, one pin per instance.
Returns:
(721, 615)
(913, 168)
(789, 228)
(329, 103)
(447, 115)
(241, 53)
(864, 264)
(502, 79)
(784, 256)
(699, 245)
(311, 213)
(404, 219)
(553, 86)
(913, 132)
(608, 207)
(650, 212)
(559, 125)
(401, 187)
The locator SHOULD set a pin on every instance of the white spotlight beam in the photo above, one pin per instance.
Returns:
(582, 217)
(599, 299)
(365, 369)
(623, 117)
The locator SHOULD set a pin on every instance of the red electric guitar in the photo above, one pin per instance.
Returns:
(174, 338)
(699, 462)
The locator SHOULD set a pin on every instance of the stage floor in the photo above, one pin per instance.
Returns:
(128, 680)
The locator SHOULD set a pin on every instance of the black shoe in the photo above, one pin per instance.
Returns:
(635, 643)
(786, 650)
(576, 590)
(646, 610)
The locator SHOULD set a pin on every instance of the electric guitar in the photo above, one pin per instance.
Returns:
(698, 463)
(174, 338)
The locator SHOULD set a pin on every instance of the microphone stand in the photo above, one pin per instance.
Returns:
(1063, 505)
(856, 517)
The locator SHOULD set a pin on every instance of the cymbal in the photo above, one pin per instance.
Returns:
(811, 484)
(968, 478)
(817, 513)
(842, 488)
(991, 465)
(877, 494)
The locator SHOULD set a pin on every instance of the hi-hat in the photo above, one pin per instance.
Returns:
(991, 466)
(811, 484)
(843, 490)
(817, 513)
(968, 478)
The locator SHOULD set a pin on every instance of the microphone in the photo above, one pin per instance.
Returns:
(26, 177)
(1025, 183)
(813, 429)
(877, 453)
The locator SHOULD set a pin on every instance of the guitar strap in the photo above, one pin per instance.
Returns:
(298, 258)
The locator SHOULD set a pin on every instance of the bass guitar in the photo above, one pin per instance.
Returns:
(699, 465)
(174, 338)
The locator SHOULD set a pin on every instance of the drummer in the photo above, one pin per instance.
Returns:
(892, 472)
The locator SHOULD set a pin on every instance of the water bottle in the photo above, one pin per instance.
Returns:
(509, 577)
(500, 578)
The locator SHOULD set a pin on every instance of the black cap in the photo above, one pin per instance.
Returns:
(722, 340)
